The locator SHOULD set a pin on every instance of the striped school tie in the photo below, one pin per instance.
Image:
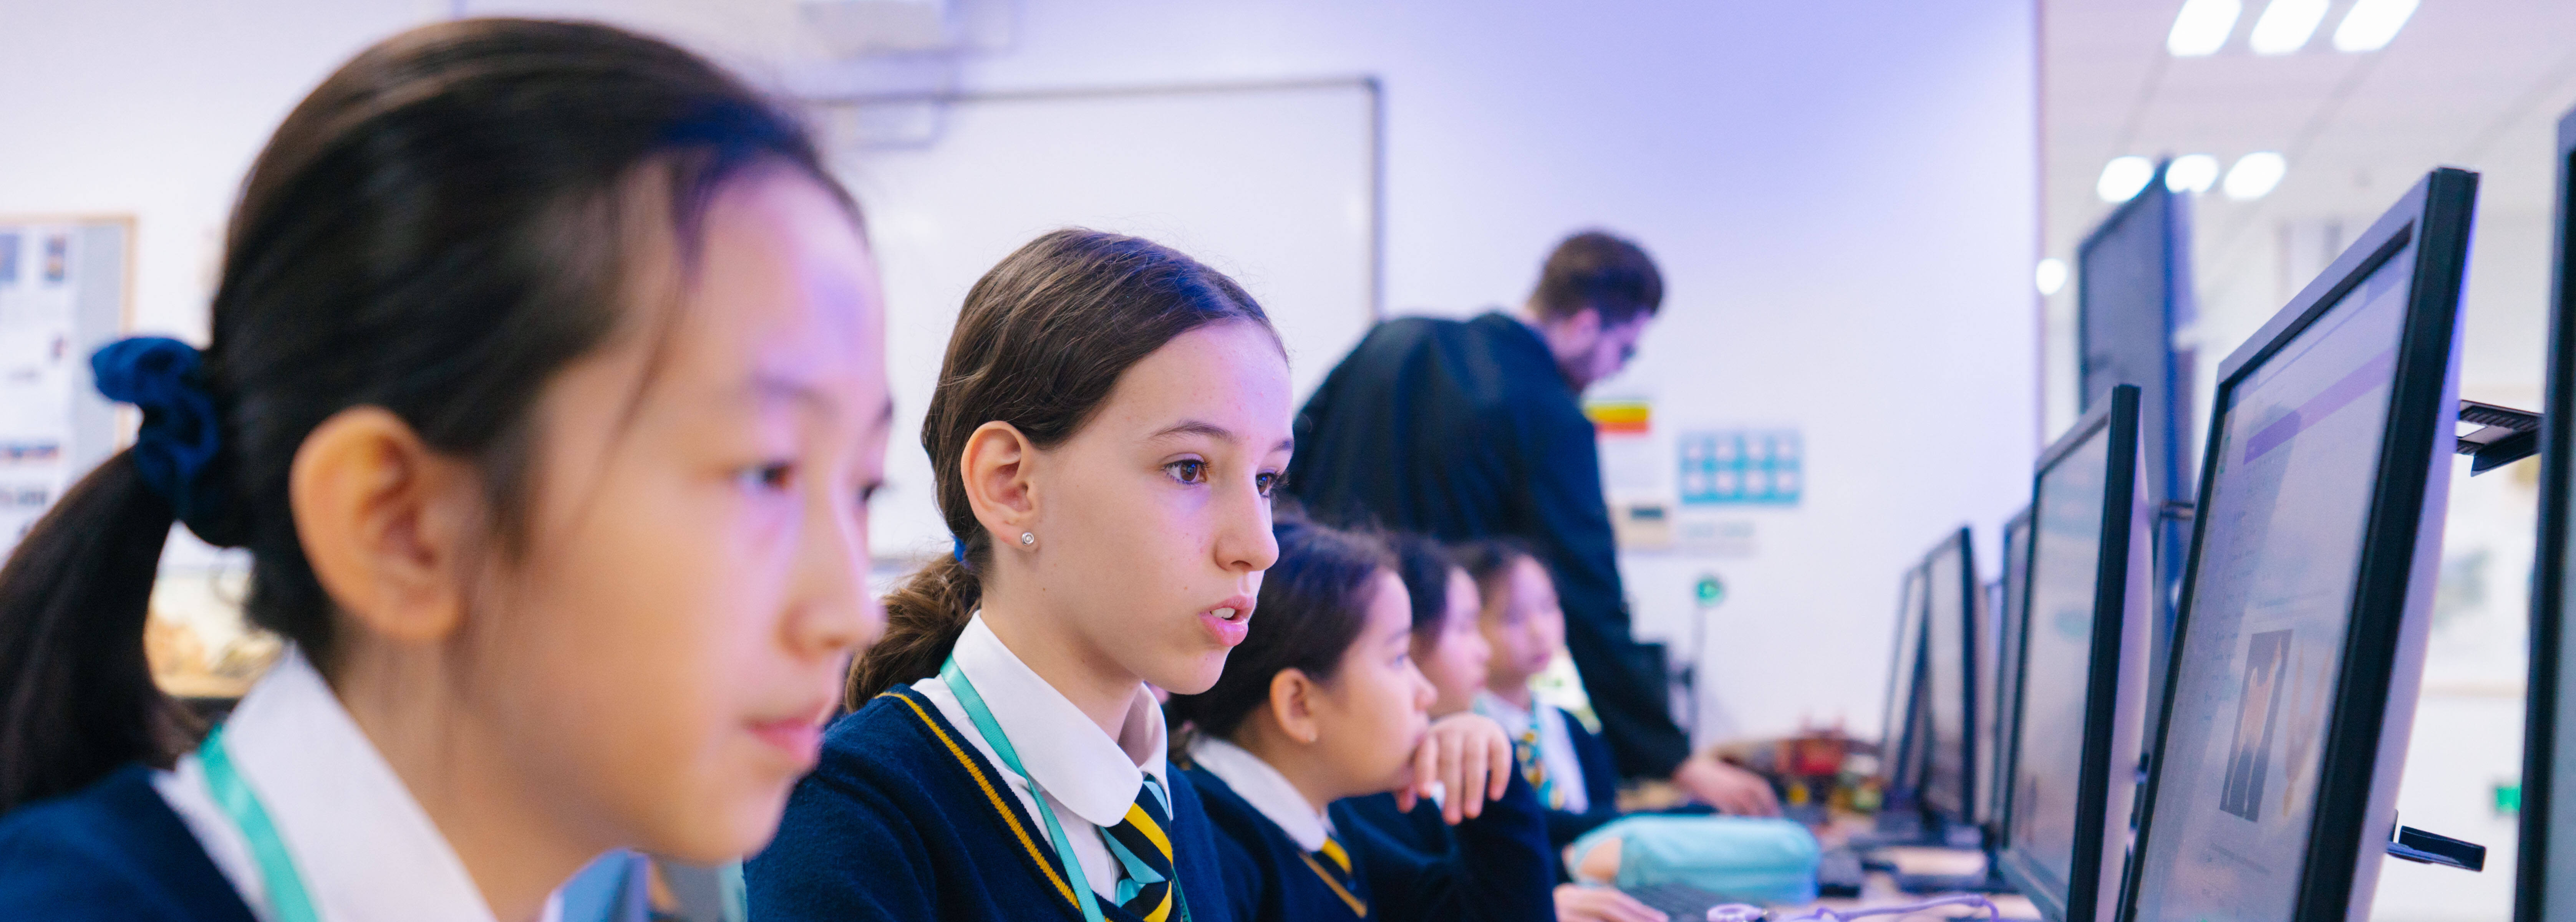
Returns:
(1525, 749)
(1333, 863)
(1144, 853)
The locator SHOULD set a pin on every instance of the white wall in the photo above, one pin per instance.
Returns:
(1841, 194)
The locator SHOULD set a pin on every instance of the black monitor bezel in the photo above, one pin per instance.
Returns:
(1967, 627)
(1898, 741)
(2117, 419)
(2011, 622)
(2434, 216)
(2546, 707)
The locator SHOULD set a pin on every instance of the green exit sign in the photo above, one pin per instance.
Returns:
(2508, 799)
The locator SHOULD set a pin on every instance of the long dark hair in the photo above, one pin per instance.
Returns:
(436, 230)
(1039, 344)
(1314, 603)
(1425, 567)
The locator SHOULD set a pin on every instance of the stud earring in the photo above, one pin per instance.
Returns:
(1027, 539)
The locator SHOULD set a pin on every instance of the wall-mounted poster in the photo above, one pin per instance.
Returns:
(53, 426)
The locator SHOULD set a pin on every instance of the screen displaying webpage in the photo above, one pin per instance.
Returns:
(2292, 487)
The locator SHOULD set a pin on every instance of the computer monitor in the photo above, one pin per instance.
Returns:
(2545, 868)
(2133, 295)
(2300, 641)
(2084, 652)
(1949, 683)
(1901, 746)
(2011, 599)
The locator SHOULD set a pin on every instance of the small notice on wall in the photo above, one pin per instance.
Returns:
(1758, 467)
(61, 295)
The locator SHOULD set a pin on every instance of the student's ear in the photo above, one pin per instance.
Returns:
(995, 467)
(1292, 705)
(388, 524)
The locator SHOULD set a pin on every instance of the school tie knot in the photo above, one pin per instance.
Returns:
(1144, 852)
(1333, 863)
(1525, 751)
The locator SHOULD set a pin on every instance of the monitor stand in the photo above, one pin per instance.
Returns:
(1956, 836)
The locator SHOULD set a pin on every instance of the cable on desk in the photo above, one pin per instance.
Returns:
(1737, 912)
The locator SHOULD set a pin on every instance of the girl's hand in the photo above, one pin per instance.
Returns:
(1579, 903)
(1467, 759)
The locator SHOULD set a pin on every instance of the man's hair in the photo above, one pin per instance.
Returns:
(1601, 271)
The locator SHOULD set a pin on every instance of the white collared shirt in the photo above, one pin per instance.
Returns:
(1089, 778)
(1262, 786)
(364, 849)
(1555, 744)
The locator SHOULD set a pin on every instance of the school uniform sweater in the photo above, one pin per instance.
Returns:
(111, 851)
(904, 819)
(1490, 869)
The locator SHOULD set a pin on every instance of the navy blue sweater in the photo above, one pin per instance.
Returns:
(1493, 868)
(1600, 788)
(903, 820)
(113, 850)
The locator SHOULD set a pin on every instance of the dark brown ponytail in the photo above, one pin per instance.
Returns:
(436, 230)
(1040, 343)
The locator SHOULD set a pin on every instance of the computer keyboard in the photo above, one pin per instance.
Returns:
(1681, 902)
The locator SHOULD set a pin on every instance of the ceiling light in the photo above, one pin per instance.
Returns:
(2051, 276)
(2203, 26)
(2193, 173)
(2255, 174)
(2123, 177)
(2286, 25)
(2371, 24)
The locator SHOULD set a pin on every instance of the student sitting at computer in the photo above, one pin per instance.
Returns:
(1518, 617)
(1322, 702)
(1449, 642)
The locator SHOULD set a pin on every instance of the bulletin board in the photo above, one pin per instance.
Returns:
(1276, 184)
(66, 288)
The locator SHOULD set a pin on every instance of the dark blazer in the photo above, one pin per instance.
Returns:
(113, 850)
(1489, 869)
(903, 820)
(1463, 430)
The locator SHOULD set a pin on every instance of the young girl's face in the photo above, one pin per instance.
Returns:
(1524, 625)
(1372, 714)
(665, 647)
(1153, 519)
(1453, 655)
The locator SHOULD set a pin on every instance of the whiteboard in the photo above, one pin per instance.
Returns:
(1274, 184)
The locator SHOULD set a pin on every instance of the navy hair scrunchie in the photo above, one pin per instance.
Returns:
(958, 550)
(180, 434)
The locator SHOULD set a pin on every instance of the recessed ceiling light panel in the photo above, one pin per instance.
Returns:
(2255, 175)
(2202, 27)
(2286, 25)
(2123, 177)
(2372, 24)
(2193, 173)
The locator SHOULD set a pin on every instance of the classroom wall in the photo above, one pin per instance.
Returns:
(1841, 193)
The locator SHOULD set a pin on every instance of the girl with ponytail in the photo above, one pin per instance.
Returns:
(546, 390)
(1108, 426)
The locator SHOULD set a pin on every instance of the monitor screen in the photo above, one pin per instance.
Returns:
(1947, 663)
(2057, 656)
(2007, 672)
(2293, 476)
(1900, 746)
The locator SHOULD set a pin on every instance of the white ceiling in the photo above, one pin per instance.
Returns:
(2478, 84)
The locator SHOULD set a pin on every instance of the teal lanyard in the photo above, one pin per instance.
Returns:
(991, 730)
(287, 901)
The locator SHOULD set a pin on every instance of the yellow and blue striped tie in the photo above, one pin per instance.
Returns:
(1144, 853)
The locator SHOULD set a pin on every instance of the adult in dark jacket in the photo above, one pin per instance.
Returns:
(1473, 429)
